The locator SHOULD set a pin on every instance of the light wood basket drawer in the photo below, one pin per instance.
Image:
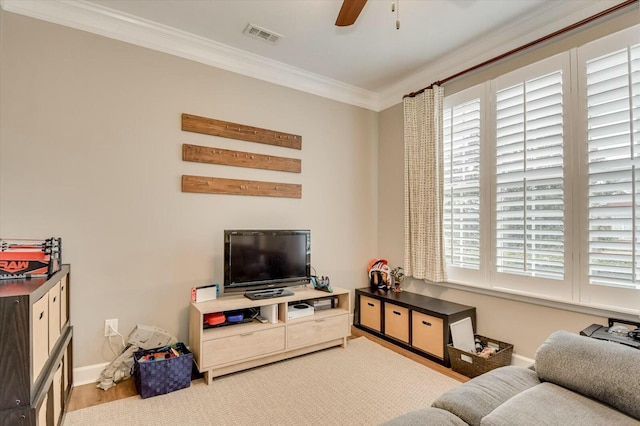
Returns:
(65, 371)
(57, 394)
(242, 346)
(64, 300)
(318, 331)
(396, 322)
(427, 334)
(370, 313)
(42, 412)
(54, 316)
(40, 336)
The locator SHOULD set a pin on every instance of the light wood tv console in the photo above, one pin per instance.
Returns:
(230, 348)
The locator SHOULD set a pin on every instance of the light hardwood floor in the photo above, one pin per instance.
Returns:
(89, 395)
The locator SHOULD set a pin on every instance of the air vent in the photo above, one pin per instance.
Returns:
(262, 33)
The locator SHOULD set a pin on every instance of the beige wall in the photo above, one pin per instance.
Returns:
(523, 324)
(90, 150)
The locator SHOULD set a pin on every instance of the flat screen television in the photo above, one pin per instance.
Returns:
(261, 263)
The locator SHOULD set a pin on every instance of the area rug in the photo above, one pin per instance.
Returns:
(362, 384)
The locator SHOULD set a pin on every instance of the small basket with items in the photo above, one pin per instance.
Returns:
(162, 370)
(489, 354)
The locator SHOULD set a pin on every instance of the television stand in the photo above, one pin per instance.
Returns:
(223, 350)
(267, 294)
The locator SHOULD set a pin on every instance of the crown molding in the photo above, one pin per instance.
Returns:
(131, 29)
(124, 27)
(517, 33)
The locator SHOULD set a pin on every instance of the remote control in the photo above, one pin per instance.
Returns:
(261, 319)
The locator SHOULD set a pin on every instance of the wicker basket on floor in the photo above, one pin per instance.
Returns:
(472, 365)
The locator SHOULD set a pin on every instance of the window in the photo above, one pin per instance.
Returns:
(613, 143)
(561, 136)
(461, 129)
(530, 178)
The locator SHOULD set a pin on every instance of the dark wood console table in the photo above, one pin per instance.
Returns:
(412, 321)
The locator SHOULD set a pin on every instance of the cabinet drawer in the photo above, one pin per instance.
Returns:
(318, 331)
(427, 334)
(396, 322)
(42, 412)
(64, 300)
(370, 313)
(65, 372)
(242, 346)
(54, 316)
(57, 394)
(40, 336)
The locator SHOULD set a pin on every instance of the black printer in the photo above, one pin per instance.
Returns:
(615, 333)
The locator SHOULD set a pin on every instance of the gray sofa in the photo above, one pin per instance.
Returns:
(576, 380)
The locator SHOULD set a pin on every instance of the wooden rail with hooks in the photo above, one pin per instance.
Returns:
(226, 129)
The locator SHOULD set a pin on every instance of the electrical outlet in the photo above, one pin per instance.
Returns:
(110, 327)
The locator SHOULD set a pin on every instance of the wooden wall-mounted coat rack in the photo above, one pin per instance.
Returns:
(210, 185)
(226, 129)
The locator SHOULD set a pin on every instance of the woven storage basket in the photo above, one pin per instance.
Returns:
(472, 365)
(165, 375)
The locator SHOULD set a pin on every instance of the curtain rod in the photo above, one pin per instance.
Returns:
(526, 46)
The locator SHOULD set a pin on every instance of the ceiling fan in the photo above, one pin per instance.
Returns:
(349, 12)
(351, 9)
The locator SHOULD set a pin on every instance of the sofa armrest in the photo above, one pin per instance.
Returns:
(608, 372)
(478, 397)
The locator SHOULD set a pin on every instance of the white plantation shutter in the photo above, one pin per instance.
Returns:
(529, 203)
(613, 133)
(542, 178)
(461, 222)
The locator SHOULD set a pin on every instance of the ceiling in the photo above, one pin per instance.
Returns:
(370, 64)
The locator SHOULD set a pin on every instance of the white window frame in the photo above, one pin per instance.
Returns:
(606, 297)
(574, 291)
(555, 289)
(456, 274)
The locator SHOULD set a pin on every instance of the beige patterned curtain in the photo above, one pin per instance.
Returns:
(423, 186)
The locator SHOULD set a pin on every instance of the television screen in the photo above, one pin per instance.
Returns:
(260, 259)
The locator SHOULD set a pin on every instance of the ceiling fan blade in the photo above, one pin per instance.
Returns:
(349, 12)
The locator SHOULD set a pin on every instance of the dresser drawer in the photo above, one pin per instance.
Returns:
(317, 331)
(42, 412)
(396, 322)
(427, 334)
(239, 347)
(65, 372)
(370, 313)
(57, 394)
(54, 316)
(40, 336)
(64, 300)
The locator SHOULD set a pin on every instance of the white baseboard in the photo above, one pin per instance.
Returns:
(88, 374)
(521, 361)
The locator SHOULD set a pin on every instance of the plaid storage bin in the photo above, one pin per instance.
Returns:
(162, 375)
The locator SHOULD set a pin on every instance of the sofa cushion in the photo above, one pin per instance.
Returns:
(598, 369)
(427, 416)
(549, 404)
(481, 395)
